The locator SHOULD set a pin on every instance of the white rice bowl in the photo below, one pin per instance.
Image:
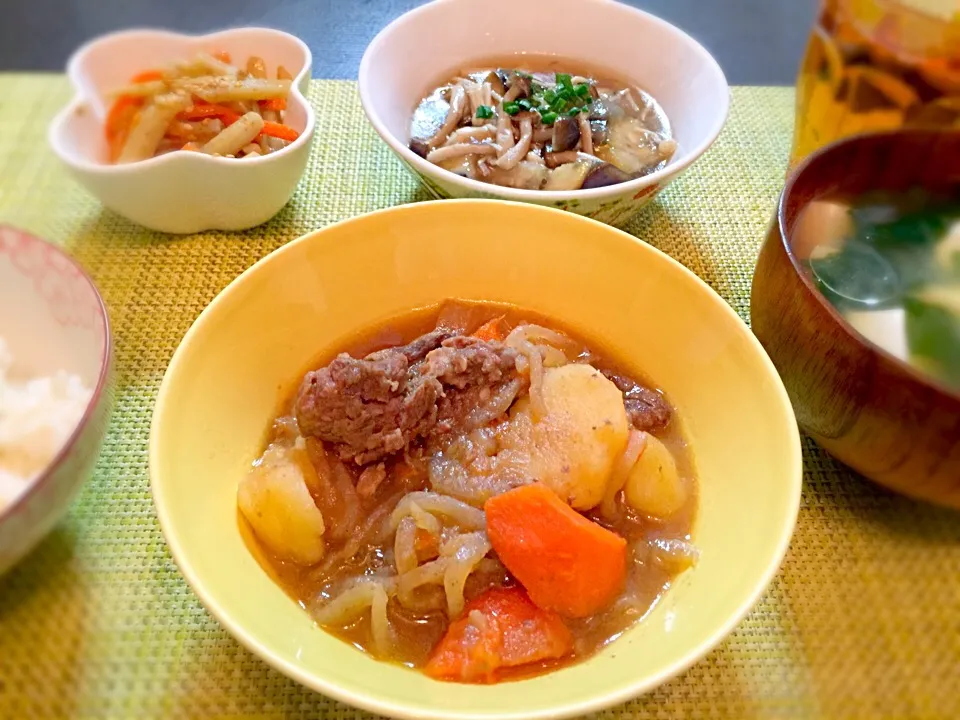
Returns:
(37, 417)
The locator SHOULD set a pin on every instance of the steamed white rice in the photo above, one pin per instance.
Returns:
(37, 416)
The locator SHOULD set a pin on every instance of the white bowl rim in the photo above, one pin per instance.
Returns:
(631, 186)
(408, 711)
(74, 63)
(103, 377)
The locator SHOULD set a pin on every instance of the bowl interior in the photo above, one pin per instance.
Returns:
(59, 322)
(892, 162)
(252, 344)
(399, 68)
(106, 64)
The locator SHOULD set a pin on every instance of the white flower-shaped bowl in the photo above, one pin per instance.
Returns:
(424, 47)
(181, 192)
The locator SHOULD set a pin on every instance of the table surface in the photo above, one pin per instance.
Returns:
(757, 42)
(863, 620)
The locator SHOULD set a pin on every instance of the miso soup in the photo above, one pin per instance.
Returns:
(890, 264)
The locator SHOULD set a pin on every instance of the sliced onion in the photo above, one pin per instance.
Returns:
(430, 573)
(536, 333)
(347, 606)
(379, 623)
(424, 520)
(465, 553)
(404, 546)
(467, 517)
(497, 406)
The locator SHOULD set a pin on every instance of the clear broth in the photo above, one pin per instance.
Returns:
(890, 264)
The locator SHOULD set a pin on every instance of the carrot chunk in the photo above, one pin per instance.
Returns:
(567, 563)
(492, 330)
(499, 629)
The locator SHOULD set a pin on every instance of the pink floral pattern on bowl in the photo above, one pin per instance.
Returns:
(60, 322)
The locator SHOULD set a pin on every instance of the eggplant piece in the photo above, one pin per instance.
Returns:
(603, 175)
(598, 110)
(598, 131)
(420, 147)
(568, 177)
(527, 175)
(566, 134)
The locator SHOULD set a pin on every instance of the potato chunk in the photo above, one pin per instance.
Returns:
(654, 486)
(573, 448)
(274, 499)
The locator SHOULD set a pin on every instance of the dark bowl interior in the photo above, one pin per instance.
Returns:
(874, 412)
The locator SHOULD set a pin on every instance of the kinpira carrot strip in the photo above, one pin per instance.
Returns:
(275, 104)
(499, 629)
(283, 132)
(202, 111)
(492, 329)
(566, 562)
(147, 76)
(222, 56)
(120, 115)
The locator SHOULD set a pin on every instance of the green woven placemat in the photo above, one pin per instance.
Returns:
(863, 621)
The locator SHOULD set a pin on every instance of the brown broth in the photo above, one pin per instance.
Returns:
(418, 634)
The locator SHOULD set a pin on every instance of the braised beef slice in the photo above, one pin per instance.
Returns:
(421, 347)
(367, 408)
(646, 408)
(370, 408)
(472, 372)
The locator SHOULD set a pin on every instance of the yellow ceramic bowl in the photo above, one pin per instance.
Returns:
(245, 352)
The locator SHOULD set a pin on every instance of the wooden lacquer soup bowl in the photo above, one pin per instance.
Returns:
(867, 408)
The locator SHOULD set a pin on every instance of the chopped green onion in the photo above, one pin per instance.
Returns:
(566, 93)
(583, 90)
(484, 112)
(558, 105)
(564, 80)
(511, 108)
(549, 96)
(573, 112)
(535, 88)
(525, 104)
(548, 118)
